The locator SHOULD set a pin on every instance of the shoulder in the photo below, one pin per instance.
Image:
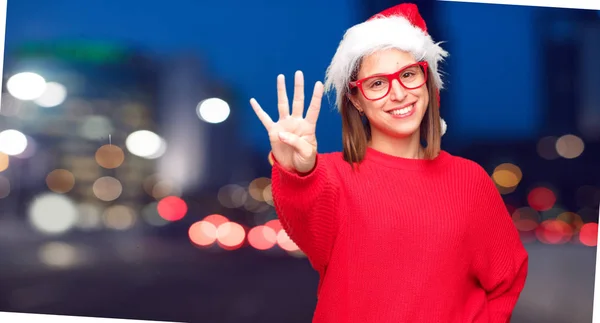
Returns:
(333, 160)
(335, 163)
(470, 171)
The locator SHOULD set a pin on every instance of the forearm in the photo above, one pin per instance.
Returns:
(503, 299)
(306, 205)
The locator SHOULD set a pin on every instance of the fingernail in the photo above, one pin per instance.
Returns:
(283, 136)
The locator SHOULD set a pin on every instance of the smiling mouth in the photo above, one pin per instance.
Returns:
(402, 111)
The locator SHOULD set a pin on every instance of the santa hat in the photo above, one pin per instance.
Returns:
(400, 27)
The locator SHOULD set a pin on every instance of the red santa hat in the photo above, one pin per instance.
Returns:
(400, 27)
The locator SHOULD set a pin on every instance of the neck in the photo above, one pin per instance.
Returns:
(405, 147)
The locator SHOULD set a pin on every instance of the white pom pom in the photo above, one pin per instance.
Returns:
(443, 126)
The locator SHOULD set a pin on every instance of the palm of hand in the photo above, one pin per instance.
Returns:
(292, 137)
(285, 154)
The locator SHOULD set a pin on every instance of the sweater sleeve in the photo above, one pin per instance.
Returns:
(307, 206)
(500, 260)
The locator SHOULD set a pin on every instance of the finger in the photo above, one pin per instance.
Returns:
(282, 99)
(262, 115)
(298, 102)
(303, 148)
(315, 104)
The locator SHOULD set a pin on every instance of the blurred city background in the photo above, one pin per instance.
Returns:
(134, 179)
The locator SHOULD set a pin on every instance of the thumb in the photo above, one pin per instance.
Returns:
(303, 148)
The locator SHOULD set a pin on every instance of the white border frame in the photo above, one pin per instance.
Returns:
(7, 317)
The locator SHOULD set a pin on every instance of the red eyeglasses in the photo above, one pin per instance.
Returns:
(378, 86)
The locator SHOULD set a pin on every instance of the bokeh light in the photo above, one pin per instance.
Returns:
(554, 232)
(572, 219)
(107, 188)
(285, 243)
(569, 146)
(26, 86)
(145, 144)
(588, 235)
(95, 127)
(89, 216)
(60, 181)
(30, 149)
(230, 235)
(257, 187)
(232, 196)
(216, 219)
(526, 219)
(213, 110)
(54, 94)
(110, 156)
(507, 176)
(59, 255)
(52, 213)
(4, 162)
(541, 198)
(119, 217)
(172, 208)
(546, 148)
(202, 233)
(262, 237)
(12, 142)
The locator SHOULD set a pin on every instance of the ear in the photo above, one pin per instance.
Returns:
(354, 101)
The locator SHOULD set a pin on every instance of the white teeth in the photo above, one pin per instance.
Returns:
(401, 111)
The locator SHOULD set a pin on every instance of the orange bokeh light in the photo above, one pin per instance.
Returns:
(203, 233)
(230, 235)
(285, 243)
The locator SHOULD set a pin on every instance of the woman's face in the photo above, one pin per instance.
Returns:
(399, 113)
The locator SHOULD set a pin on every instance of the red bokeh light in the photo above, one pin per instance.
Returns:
(541, 198)
(554, 232)
(262, 237)
(588, 234)
(172, 208)
(216, 219)
(275, 225)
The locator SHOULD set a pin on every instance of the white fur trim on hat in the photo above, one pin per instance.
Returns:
(443, 126)
(376, 34)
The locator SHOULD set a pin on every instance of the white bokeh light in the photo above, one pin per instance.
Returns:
(55, 94)
(52, 213)
(26, 86)
(12, 142)
(213, 110)
(145, 144)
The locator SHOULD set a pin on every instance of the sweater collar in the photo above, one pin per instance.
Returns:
(378, 157)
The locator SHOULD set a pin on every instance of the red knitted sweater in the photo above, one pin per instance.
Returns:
(404, 240)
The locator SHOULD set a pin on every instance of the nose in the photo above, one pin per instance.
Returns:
(398, 92)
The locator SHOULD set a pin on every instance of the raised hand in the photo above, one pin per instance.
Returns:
(293, 140)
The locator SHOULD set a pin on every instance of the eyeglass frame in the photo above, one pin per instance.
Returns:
(391, 77)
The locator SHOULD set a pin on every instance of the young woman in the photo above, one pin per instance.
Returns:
(398, 229)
